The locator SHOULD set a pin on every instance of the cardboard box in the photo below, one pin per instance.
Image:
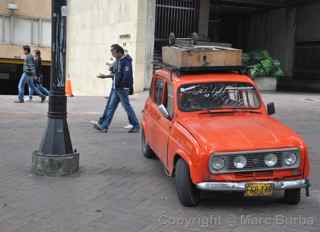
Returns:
(199, 56)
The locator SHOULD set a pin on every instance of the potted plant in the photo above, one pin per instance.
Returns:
(263, 69)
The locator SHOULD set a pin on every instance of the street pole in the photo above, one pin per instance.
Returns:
(56, 156)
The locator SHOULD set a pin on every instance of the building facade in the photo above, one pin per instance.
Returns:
(287, 29)
(22, 22)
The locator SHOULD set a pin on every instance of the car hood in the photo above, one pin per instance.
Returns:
(240, 132)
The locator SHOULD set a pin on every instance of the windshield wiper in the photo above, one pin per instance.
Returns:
(221, 111)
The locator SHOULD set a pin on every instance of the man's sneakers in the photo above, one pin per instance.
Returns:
(134, 130)
(43, 99)
(99, 128)
(129, 126)
(19, 101)
(92, 122)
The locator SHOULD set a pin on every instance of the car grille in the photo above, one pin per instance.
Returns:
(255, 161)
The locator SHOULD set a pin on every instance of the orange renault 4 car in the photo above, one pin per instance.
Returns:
(211, 130)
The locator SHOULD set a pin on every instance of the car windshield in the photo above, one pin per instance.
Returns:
(218, 95)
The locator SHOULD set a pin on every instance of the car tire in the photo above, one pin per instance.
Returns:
(146, 149)
(188, 194)
(292, 196)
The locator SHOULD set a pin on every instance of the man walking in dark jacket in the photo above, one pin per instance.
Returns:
(122, 87)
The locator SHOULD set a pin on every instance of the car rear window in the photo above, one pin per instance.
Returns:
(217, 95)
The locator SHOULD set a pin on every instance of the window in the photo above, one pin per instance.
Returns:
(4, 29)
(169, 104)
(159, 91)
(211, 96)
(35, 32)
(153, 88)
(46, 33)
(19, 31)
(22, 31)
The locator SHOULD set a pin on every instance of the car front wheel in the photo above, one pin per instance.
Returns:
(292, 196)
(146, 150)
(188, 194)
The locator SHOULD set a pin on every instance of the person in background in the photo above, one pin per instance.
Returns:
(122, 87)
(38, 81)
(27, 77)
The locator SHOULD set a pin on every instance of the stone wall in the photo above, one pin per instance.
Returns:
(95, 25)
(145, 43)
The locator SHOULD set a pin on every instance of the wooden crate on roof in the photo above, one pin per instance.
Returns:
(198, 56)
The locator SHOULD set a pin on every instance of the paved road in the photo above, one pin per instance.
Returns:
(118, 190)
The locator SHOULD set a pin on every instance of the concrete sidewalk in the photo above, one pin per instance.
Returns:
(118, 190)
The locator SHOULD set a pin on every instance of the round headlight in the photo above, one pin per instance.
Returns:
(240, 162)
(271, 160)
(217, 163)
(289, 158)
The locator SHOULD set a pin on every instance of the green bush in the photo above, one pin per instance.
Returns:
(261, 64)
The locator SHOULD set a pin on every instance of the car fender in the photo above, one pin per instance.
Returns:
(184, 145)
(143, 125)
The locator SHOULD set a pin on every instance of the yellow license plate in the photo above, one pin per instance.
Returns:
(258, 189)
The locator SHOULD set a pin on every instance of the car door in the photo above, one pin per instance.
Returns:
(148, 114)
(153, 114)
(162, 124)
(165, 124)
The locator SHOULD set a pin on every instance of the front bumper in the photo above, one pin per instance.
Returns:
(241, 186)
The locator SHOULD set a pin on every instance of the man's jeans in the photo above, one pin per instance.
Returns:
(27, 79)
(41, 88)
(117, 96)
(103, 117)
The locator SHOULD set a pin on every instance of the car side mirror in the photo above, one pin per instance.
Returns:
(164, 111)
(271, 108)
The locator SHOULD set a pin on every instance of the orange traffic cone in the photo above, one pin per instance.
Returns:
(69, 89)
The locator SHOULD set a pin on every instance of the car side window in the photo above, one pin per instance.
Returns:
(152, 88)
(169, 103)
(159, 91)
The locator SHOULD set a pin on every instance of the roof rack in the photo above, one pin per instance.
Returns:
(205, 69)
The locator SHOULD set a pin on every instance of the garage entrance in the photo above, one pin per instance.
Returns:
(284, 28)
